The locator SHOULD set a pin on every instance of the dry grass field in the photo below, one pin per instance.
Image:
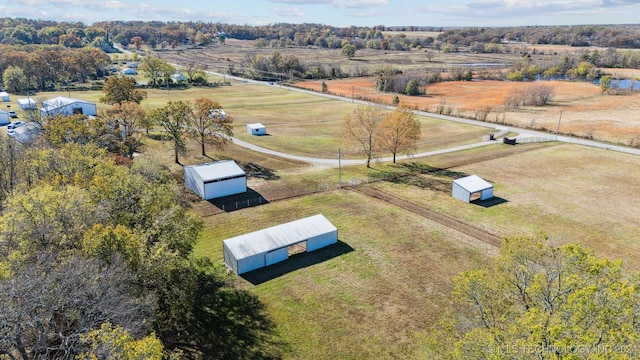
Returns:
(586, 112)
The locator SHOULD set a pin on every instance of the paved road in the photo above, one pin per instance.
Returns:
(523, 133)
(335, 162)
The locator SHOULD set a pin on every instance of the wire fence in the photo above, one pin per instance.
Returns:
(272, 196)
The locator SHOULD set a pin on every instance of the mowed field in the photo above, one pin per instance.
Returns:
(378, 292)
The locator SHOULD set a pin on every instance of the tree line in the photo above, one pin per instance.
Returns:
(96, 246)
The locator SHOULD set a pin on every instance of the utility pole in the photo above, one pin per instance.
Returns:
(352, 94)
(339, 171)
(558, 128)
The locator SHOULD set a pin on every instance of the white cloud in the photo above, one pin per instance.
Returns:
(289, 12)
(352, 4)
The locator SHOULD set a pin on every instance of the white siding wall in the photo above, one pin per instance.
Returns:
(276, 256)
(4, 118)
(193, 181)
(225, 187)
(229, 259)
(460, 193)
(251, 263)
(486, 194)
(321, 241)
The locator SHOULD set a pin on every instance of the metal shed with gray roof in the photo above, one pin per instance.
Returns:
(469, 187)
(272, 245)
(216, 179)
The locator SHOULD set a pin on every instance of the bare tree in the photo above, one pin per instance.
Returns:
(361, 128)
(209, 124)
(46, 306)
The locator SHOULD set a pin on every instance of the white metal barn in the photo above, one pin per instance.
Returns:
(216, 179)
(67, 106)
(4, 117)
(256, 129)
(469, 187)
(27, 104)
(271, 245)
(4, 96)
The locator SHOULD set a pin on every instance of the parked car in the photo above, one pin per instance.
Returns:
(12, 114)
(14, 125)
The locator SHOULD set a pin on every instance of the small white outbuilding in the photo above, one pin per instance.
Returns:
(256, 129)
(27, 104)
(471, 187)
(4, 117)
(4, 96)
(216, 179)
(67, 106)
(271, 245)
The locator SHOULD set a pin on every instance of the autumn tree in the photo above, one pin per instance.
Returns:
(536, 300)
(47, 305)
(119, 89)
(194, 71)
(349, 50)
(361, 129)
(209, 125)
(400, 131)
(124, 121)
(156, 70)
(137, 41)
(14, 80)
(174, 119)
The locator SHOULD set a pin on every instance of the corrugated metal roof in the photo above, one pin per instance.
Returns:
(218, 170)
(473, 183)
(61, 101)
(278, 236)
(255, 126)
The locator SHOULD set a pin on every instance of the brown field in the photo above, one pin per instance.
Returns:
(586, 112)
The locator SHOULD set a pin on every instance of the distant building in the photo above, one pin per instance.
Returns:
(4, 117)
(27, 104)
(4, 96)
(67, 106)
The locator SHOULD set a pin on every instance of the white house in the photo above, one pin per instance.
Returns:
(27, 104)
(67, 106)
(4, 96)
(256, 129)
(4, 117)
(271, 245)
(216, 179)
(470, 188)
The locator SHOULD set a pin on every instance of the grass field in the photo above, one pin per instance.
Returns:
(377, 293)
(379, 290)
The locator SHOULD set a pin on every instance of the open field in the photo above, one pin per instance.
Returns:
(380, 289)
(372, 296)
(586, 112)
(290, 116)
(376, 293)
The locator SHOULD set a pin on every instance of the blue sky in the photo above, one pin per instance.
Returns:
(336, 12)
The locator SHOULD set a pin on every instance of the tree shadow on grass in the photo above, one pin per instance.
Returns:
(297, 261)
(235, 202)
(494, 201)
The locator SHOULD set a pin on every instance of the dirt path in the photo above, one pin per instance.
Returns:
(466, 228)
